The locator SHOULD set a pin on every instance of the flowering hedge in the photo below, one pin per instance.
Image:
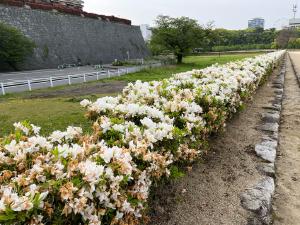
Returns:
(104, 177)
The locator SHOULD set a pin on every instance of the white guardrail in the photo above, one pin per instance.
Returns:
(29, 84)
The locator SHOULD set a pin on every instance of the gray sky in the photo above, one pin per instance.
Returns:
(231, 14)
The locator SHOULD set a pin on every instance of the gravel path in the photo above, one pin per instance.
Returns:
(210, 193)
(287, 198)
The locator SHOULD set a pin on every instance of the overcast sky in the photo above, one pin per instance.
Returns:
(231, 14)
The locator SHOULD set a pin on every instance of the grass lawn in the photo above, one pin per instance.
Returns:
(190, 62)
(57, 113)
(51, 114)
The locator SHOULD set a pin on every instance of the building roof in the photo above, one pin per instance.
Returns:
(73, 7)
(294, 21)
(257, 18)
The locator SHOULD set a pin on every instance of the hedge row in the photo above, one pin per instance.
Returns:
(104, 177)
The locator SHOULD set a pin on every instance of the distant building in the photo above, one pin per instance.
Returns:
(294, 23)
(146, 32)
(256, 23)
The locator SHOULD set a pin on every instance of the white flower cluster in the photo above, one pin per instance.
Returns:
(105, 177)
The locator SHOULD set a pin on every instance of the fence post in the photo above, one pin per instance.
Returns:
(108, 72)
(97, 75)
(84, 78)
(51, 82)
(118, 72)
(142, 61)
(29, 85)
(2, 88)
(69, 78)
(127, 70)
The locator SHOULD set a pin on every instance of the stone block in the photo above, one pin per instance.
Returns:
(271, 117)
(272, 127)
(266, 151)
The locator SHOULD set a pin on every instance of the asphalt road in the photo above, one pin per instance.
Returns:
(21, 78)
(30, 80)
(35, 74)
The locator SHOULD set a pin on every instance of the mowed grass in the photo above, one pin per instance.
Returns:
(51, 114)
(58, 113)
(190, 62)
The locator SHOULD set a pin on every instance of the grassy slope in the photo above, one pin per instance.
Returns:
(58, 113)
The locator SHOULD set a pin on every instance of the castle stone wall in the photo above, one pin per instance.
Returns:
(62, 38)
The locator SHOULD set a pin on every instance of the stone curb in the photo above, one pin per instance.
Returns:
(258, 199)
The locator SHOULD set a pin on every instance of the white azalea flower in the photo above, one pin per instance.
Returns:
(84, 103)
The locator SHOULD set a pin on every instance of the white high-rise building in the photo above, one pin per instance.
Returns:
(256, 23)
(146, 32)
(294, 23)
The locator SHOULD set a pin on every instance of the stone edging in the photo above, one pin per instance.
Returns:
(258, 199)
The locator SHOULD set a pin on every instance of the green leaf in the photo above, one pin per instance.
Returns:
(36, 200)
(9, 215)
(176, 173)
(55, 152)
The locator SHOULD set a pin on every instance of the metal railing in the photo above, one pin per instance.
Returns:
(68, 79)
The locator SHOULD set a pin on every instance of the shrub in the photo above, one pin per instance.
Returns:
(294, 43)
(126, 63)
(118, 63)
(241, 47)
(14, 46)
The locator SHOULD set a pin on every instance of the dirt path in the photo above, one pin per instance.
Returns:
(210, 194)
(81, 90)
(287, 198)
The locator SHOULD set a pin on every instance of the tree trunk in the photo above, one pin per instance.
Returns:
(179, 58)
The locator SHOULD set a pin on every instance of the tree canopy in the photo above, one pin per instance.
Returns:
(177, 35)
(181, 35)
(14, 46)
(247, 38)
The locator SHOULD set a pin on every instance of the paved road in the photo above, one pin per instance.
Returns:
(27, 80)
(34, 74)
(287, 198)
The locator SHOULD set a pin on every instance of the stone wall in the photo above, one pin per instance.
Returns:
(62, 38)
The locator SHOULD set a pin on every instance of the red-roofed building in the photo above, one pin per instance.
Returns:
(73, 7)
(78, 4)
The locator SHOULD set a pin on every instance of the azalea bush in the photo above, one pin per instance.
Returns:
(105, 177)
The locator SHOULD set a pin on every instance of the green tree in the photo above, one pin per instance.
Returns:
(14, 46)
(176, 35)
(284, 36)
(294, 43)
(242, 38)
